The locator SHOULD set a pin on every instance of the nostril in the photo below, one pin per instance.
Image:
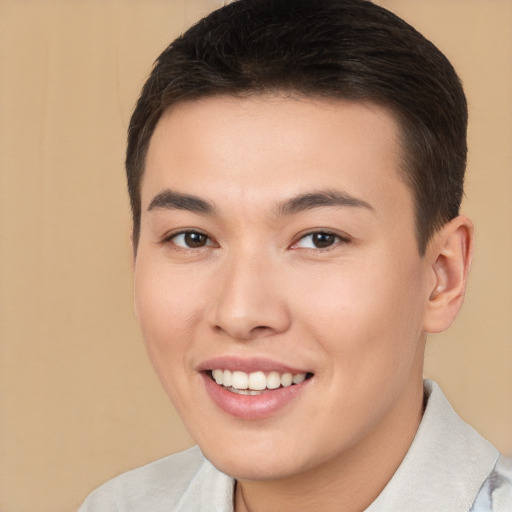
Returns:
(261, 329)
(243, 331)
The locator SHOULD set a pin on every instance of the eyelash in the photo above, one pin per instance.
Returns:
(209, 243)
(338, 239)
(171, 239)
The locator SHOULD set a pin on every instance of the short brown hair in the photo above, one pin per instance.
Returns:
(350, 49)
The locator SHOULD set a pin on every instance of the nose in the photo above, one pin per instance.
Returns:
(249, 302)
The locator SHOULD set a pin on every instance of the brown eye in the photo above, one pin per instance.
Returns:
(318, 240)
(191, 240)
(323, 240)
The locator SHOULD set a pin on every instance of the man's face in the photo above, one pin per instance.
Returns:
(277, 238)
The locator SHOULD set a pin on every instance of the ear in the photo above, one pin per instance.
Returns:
(449, 254)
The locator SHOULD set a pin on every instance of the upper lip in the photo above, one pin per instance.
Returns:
(248, 365)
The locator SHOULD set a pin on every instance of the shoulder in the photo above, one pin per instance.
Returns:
(156, 486)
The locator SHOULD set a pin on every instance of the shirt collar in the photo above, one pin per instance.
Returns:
(446, 465)
(209, 489)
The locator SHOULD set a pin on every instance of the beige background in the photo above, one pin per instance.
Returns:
(78, 400)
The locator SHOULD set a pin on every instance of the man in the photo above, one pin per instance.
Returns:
(295, 169)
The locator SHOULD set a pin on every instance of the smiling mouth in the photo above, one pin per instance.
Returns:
(255, 383)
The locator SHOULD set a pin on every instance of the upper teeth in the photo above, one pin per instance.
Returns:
(256, 381)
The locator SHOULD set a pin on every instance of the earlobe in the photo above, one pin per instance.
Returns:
(450, 253)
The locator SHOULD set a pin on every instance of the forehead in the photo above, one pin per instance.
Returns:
(267, 147)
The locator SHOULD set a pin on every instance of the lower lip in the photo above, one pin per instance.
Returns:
(252, 407)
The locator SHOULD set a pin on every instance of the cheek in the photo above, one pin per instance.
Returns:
(167, 308)
(366, 311)
(167, 311)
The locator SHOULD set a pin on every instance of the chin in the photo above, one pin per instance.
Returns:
(255, 470)
(269, 460)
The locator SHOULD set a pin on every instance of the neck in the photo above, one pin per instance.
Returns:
(349, 482)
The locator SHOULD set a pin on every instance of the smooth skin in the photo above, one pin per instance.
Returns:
(337, 288)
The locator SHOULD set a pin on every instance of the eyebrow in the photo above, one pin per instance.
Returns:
(320, 199)
(170, 200)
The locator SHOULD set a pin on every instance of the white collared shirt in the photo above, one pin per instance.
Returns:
(449, 468)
